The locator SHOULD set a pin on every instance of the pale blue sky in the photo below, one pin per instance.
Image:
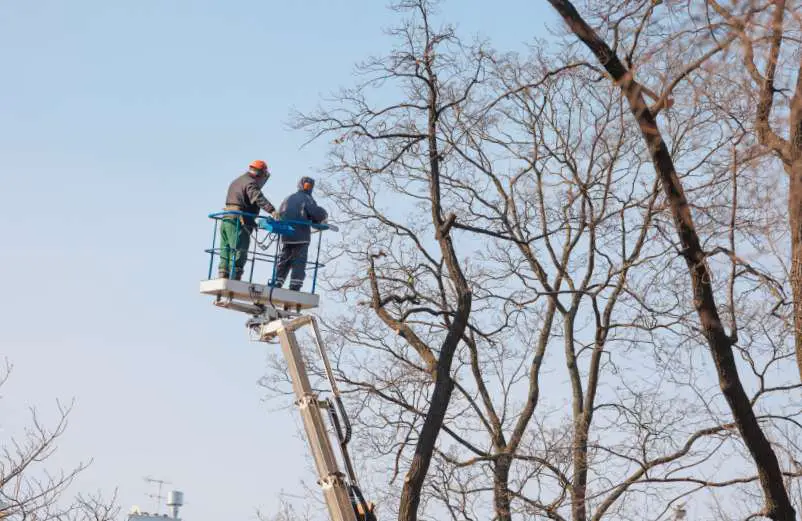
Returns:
(121, 124)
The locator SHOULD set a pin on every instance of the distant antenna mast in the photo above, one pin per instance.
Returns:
(158, 496)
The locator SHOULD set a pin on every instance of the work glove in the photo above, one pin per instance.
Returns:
(276, 215)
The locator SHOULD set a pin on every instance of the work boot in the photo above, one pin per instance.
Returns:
(222, 274)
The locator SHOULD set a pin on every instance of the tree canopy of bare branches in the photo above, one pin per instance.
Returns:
(29, 490)
(529, 312)
(778, 504)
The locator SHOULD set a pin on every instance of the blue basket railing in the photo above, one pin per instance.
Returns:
(271, 231)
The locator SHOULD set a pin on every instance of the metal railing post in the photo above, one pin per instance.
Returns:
(211, 252)
(275, 262)
(317, 261)
(253, 254)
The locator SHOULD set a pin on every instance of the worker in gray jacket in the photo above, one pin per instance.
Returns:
(244, 195)
(300, 206)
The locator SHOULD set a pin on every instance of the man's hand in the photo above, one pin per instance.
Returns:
(276, 215)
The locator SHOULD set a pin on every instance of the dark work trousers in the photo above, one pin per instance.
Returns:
(235, 238)
(292, 259)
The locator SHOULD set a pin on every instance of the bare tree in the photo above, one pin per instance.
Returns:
(774, 71)
(580, 151)
(563, 243)
(286, 512)
(411, 141)
(550, 238)
(94, 507)
(778, 505)
(29, 491)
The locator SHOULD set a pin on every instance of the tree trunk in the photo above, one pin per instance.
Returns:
(777, 503)
(413, 482)
(501, 488)
(444, 385)
(579, 442)
(432, 424)
(579, 483)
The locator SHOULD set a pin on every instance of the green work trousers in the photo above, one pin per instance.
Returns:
(234, 241)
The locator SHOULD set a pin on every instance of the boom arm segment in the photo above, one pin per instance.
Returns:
(341, 491)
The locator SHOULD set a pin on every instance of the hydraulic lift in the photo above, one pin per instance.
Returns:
(276, 313)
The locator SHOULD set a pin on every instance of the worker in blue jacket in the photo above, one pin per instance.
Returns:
(300, 206)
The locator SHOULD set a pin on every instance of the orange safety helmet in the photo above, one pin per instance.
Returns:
(258, 165)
